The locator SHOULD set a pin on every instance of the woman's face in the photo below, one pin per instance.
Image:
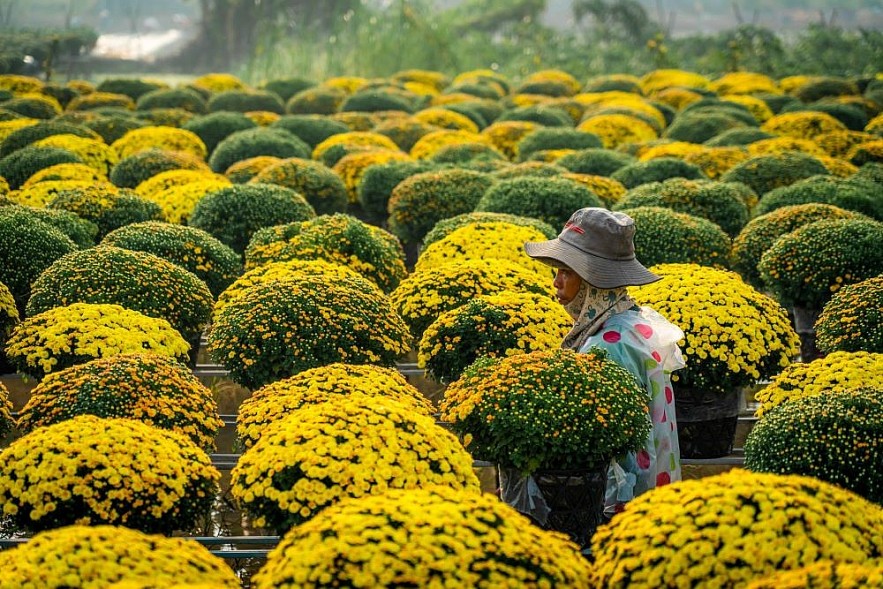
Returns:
(567, 283)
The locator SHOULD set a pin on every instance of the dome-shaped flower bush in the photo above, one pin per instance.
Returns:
(9, 317)
(556, 138)
(599, 162)
(65, 336)
(761, 232)
(159, 137)
(863, 153)
(399, 536)
(101, 100)
(234, 213)
(313, 129)
(135, 169)
(35, 106)
(714, 161)
(734, 335)
(550, 409)
(27, 247)
(332, 382)
(20, 165)
(320, 100)
(505, 135)
(113, 127)
(423, 296)
(498, 325)
(184, 98)
(444, 118)
(179, 201)
(835, 437)
(420, 201)
(7, 422)
(92, 470)
(852, 320)
(372, 252)
(376, 101)
(193, 249)
(765, 172)
(241, 145)
(112, 556)
(351, 168)
(27, 135)
(431, 143)
(806, 267)
(718, 202)
(656, 170)
(859, 195)
(40, 194)
(320, 186)
(617, 129)
(729, 529)
(65, 172)
(135, 280)
(105, 205)
(824, 574)
(81, 231)
(803, 125)
(149, 387)
(278, 328)
(290, 475)
(551, 200)
(664, 236)
(783, 144)
(835, 372)
(215, 127)
(172, 178)
(242, 172)
(93, 152)
(245, 100)
(447, 226)
(705, 124)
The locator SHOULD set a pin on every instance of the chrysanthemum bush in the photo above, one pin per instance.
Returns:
(423, 296)
(852, 320)
(371, 251)
(178, 202)
(91, 470)
(551, 200)
(826, 574)
(40, 194)
(136, 280)
(491, 326)
(765, 172)
(734, 335)
(60, 172)
(447, 226)
(352, 167)
(834, 372)
(193, 249)
(664, 236)
(112, 556)
(94, 153)
(64, 336)
(729, 529)
(548, 410)
(352, 447)
(484, 240)
(431, 143)
(106, 205)
(834, 436)
(135, 169)
(761, 232)
(7, 421)
(427, 537)
(806, 267)
(148, 387)
(318, 184)
(161, 137)
(333, 382)
(803, 125)
(854, 194)
(278, 328)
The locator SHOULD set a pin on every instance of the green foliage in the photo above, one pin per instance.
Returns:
(288, 87)
(467, 152)
(852, 321)
(135, 169)
(766, 172)
(27, 247)
(447, 226)
(718, 202)
(233, 214)
(375, 100)
(828, 86)
(532, 168)
(106, 207)
(246, 101)
(831, 437)
(246, 144)
(313, 129)
(596, 162)
(851, 194)
(469, 112)
(33, 108)
(855, 118)
(20, 165)
(321, 187)
(215, 127)
(185, 98)
(608, 83)
(544, 115)
(664, 236)
(379, 181)
(556, 138)
(25, 136)
(111, 128)
(656, 170)
(316, 101)
(872, 171)
(551, 200)
(778, 102)
(420, 201)
(701, 125)
(193, 249)
(738, 136)
(81, 231)
(134, 88)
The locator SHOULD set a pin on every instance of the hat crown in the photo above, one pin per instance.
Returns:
(602, 233)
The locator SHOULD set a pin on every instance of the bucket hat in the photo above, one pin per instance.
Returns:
(599, 246)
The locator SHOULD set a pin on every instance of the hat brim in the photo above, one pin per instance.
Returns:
(597, 271)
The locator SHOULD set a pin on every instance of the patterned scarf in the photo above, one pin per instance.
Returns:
(590, 308)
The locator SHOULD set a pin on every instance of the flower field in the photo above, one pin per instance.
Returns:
(312, 310)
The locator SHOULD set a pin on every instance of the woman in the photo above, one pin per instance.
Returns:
(595, 257)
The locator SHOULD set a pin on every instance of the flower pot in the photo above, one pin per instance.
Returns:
(707, 421)
(568, 501)
(804, 324)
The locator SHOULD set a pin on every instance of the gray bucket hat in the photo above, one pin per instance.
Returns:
(599, 246)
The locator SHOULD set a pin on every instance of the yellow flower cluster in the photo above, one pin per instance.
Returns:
(785, 143)
(95, 100)
(484, 241)
(354, 138)
(677, 98)
(660, 79)
(352, 167)
(20, 84)
(850, 321)
(826, 574)
(607, 189)
(160, 137)
(446, 119)
(172, 178)
(243, 171)
(91, 470)
(759, 109)
(94, 153)
(834, 372)
(744, 83)
(7, 422)
(803, 125)
(153, 389)
(219, 82)
(349, 84)
(8, 312)
(727, 530)
(430, 537)
(68, 335)
(431, 143)
(423, 296)
(353, 447)
(94, 557)
(41, 194)
(615, 130)
(678, 149)
(177, 202)
(262, 118)
(553, 409)
(334, 382)
(59, 172)
(734, 335)
(837, 167)
(838, 143)
(494, 325)
(505, 136)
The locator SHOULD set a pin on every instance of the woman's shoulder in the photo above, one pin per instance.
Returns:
(639, 325)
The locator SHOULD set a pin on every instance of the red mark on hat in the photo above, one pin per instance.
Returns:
(571, 227)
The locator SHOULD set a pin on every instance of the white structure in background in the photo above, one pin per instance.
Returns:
(143, 46)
